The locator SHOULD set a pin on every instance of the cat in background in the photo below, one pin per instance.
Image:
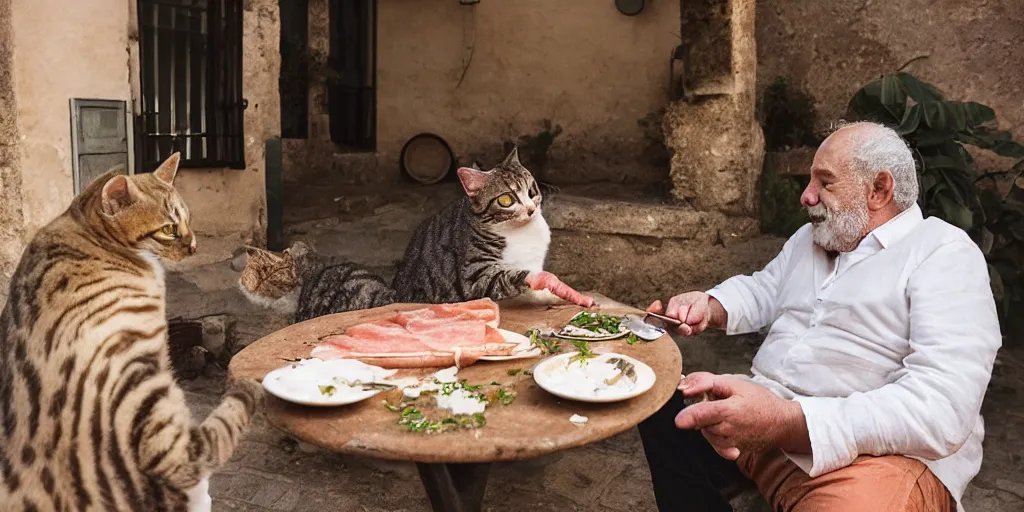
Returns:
(306, 284)
(92, 417)
(492, 242)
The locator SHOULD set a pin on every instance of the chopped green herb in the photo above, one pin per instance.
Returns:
(584, 349)
(327, 390)
(479, 419)
(546, 345)
(597, 322)
(506, 397)
(632, 339)
(495, 383)
(513, 372)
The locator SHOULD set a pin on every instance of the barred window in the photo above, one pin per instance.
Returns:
(190, 54)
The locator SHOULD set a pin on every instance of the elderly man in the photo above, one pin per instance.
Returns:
(866, 393)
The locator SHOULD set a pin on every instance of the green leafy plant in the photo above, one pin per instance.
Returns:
(788, 117)
(937, 130)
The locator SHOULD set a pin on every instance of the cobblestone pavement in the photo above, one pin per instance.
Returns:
(269, 472)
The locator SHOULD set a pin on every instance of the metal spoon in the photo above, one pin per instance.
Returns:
(641, 329)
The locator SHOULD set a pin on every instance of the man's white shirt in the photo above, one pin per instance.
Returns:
(888, 348)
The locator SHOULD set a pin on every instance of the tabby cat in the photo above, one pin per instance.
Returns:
(92, 418)
(492, 242)
(307, 284)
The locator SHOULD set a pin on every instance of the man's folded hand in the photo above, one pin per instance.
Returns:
(740, 416)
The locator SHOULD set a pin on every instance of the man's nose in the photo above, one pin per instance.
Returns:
(809, 197)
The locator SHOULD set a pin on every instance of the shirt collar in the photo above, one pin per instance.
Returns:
(896, 228)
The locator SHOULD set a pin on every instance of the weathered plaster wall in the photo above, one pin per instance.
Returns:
(593, 72)
(12, 222)
(62, 50)
(94, 57)
(830, 49)
(578, 63)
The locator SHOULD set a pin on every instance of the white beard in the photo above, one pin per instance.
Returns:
(526, 248)
(841, 229)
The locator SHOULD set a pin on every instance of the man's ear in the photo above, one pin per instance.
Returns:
(882, 189)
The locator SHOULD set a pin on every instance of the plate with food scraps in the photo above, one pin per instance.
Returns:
(593, 327)
(525, 348)
(608, 377)
(318, 383)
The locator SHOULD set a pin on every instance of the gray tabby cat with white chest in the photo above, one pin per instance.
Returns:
(490, 243)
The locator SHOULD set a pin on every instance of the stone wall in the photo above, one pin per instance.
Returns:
(11, 216)
(716, 142)
(974, 50)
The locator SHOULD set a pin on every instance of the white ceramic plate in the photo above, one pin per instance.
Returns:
(298, 382)
(524, 350)
(550, 374)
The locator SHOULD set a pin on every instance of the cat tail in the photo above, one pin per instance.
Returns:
(197, 451)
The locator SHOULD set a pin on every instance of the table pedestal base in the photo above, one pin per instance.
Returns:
(454, 487)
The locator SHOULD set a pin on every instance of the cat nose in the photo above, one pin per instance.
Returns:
(192, 246)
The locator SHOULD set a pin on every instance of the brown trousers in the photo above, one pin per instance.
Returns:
(870, 484)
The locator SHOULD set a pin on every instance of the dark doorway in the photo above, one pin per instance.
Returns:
(293, 82)
(351, 91)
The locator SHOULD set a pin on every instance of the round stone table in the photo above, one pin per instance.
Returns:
(454, 465)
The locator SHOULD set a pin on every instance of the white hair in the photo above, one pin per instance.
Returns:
(875, 148)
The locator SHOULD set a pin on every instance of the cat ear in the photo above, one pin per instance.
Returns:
(169, 169)
(473, 180)
(513, 157)
(118, 194)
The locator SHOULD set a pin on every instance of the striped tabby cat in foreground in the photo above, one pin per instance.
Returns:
(92, 418)
(492, 242)
(306, 284)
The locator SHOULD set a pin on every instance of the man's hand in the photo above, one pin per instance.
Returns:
(697, 311)
(741, 416)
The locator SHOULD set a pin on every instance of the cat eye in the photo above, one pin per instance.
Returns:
(505, 200)
(169, 231)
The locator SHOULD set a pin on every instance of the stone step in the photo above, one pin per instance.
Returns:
(616, 217)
